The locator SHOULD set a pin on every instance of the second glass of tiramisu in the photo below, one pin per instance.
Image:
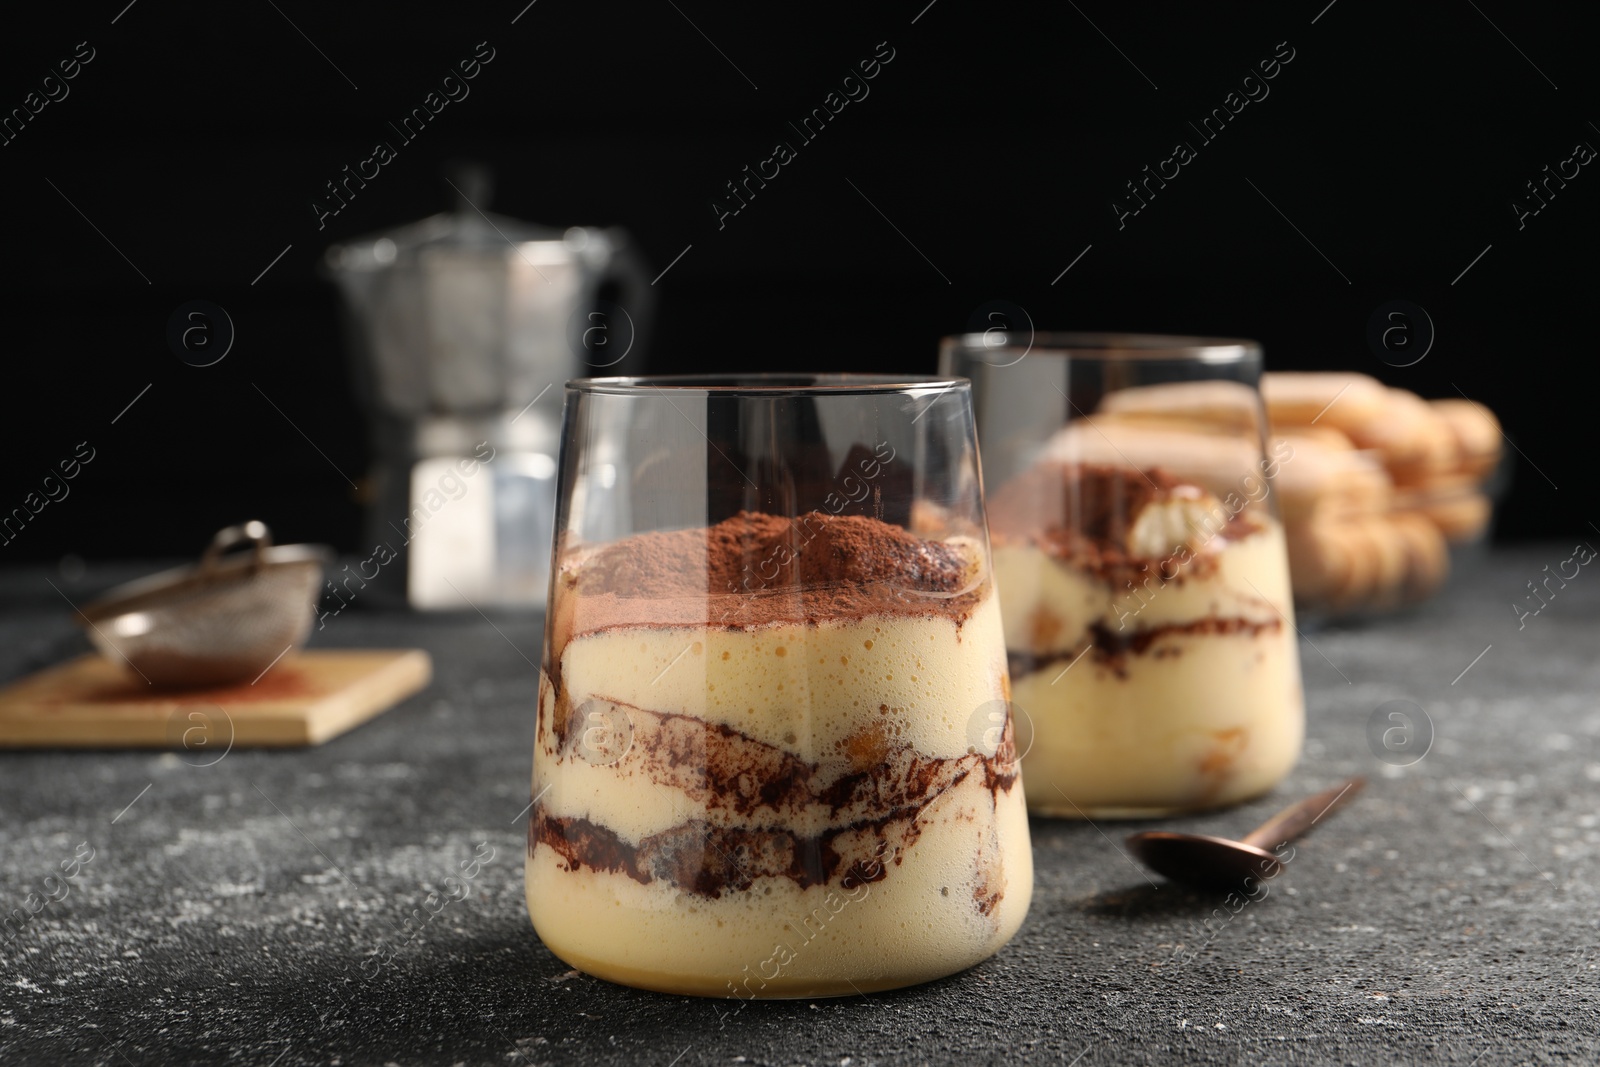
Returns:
(774, 756)
(1141, 566)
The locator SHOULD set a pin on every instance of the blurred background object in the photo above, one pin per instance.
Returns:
(224, 620)
(462, 328)
(192, 161)
(1383, 484)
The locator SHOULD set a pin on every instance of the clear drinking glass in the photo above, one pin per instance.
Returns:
(773, 756)
(1141, 565)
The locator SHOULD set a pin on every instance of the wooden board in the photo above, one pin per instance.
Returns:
(307, 698)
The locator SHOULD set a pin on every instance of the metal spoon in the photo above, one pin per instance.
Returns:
(1216, 862)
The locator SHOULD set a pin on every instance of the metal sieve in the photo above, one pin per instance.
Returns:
(225, 619)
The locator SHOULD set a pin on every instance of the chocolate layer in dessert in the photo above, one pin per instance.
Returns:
(872, 810)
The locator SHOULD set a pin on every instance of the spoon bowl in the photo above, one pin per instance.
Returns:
(1220, 863)
(1203, 860)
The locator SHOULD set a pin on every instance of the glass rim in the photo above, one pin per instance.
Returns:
(768, 384)
(1110, 345)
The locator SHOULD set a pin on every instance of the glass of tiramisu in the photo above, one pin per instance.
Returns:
(774, 754)
(1141, 566)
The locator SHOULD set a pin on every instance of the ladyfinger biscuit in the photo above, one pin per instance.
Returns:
(1392, 556)
(1414, 441)
(1322, 398)
(1459, 516)
(1427, 555)
(1477, 433)
(1227, 405)
(1317, 566)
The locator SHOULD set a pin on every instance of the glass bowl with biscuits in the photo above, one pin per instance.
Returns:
(1386, 488)
(1380, 491)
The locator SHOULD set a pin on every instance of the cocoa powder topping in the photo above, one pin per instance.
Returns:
(754, 569)
(1081, 513)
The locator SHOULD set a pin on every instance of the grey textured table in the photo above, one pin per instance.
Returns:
(1451, 915)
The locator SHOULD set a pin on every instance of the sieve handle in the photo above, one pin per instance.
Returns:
(253, 532)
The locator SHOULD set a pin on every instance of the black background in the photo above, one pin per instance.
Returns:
(995, 141)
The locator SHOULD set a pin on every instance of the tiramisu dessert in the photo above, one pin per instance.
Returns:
(755, 771)
(1149, 627)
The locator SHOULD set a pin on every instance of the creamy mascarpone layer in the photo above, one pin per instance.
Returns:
(805, 687)
(1195, 721)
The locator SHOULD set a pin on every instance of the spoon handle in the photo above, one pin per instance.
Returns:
(1300, 816)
